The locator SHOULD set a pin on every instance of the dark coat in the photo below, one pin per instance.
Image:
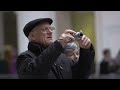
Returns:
(49, 63)
(105, 68)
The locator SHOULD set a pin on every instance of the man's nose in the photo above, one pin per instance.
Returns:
(50, 31)
(76, 56)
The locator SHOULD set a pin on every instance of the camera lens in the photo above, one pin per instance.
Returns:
(78, 35)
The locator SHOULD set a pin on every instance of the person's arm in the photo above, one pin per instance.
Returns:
(28, 67)
(82, 69)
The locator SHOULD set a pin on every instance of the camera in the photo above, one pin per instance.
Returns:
(78, 35)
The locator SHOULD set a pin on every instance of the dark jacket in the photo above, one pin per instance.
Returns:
(49, 63)
(105, 68)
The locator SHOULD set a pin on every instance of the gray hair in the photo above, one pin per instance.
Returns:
(71, 46)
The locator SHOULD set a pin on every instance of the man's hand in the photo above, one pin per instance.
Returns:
(67, 37)
(85, 42)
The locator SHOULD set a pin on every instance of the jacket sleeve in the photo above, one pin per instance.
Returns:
(27, 67)
(82, 69)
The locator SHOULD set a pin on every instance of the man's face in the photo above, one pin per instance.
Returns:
(107, 55)
(73, 54)
(43, 34)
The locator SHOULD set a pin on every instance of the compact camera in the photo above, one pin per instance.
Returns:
(78, 35)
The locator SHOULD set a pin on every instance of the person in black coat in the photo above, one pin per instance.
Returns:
(108, 64)
(44, 58)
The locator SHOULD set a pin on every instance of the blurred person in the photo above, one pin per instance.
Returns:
(108, 64)
(10, 57)
(42, 59)
(13, 63)
(118, 58)
(3, 66)
(72, 53)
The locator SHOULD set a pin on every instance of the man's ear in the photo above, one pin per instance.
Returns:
(31, 36)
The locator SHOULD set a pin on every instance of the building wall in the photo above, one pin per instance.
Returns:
(84, 20)
(108, 31)
(63, 21)
(10, 31)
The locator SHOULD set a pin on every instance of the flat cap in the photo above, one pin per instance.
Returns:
(30, 25)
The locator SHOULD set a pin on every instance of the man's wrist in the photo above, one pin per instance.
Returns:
(62, 42)
(87, 49)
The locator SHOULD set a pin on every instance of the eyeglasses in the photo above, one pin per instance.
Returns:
(48, 28)
(45, 29)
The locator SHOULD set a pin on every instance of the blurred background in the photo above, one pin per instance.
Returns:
(102, 27)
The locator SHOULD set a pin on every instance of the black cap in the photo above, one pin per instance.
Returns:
(30, 25)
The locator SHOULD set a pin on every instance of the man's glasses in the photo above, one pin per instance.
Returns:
(48, 28)
(45, 29)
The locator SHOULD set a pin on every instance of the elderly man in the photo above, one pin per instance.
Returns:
(43, 58)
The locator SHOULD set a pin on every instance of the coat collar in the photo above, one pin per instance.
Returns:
(36, 48)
